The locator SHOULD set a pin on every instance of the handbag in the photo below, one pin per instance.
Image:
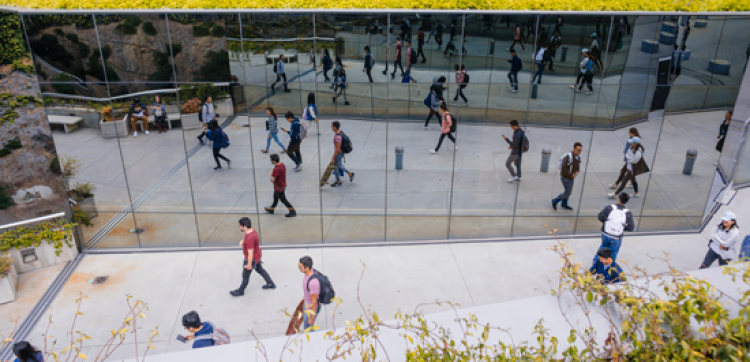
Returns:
(158, 112)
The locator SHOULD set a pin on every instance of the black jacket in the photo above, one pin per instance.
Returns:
(517, 143)
(515, 64)
(604, 215)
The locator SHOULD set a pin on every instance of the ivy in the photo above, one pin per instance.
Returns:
(12, 46)
(23, 65)
(58, 234)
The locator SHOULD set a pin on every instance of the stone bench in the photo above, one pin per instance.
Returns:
(69, 123)
(171, 117)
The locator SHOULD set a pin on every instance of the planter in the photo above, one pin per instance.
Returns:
(190, 121)
(114, 128)
(649, 46)
(666, 38)
(8, 286)
(44, 255)
(718, 66)
(88, 205)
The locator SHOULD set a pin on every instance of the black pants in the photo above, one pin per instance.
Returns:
(218, 155)
(325, 73)
(442, 136)
(293, 152)
(280, 195)
(588, 79)
(432, 113)
(460, 92)
(512, 46)
(246, 274)
(711, 256)
(579, 77)
(397, 63)
(439, 40)
(625, 176)
(278, 77)
(420, 52)
(369, 70)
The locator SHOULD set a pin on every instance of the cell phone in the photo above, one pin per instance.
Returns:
(181, 338)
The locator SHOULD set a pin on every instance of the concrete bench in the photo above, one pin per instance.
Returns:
(171, 117)
(69, 123)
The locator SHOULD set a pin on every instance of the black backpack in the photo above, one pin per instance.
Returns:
(413, 56)
(326, 289)
(466, 78)
(200, 113)
(346, 143)
(454, 122)
(275, 66)
(547, 56)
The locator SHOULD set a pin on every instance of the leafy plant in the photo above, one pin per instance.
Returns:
(84, 190)
(13, 143)
(129, 26)
(191, 106)
(57, 234)
(83, 50)
(5, 200)
(217, 31)
(72, 37)
(6, 262)
(12, 46)
(201, 91)
(59, 32)
(107, 114)
(200, 31)
(80, 216)
(23, 65)
(69, 166)
(62, 83)
(49, 48)
(149, 29)
(216, 66)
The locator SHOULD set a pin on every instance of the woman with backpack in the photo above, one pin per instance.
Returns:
(581, 69)
(723, 243)
(25, 352)
(460, 77)
(342, 81)
(327, 64)
(220, 140)
(434, 99)
(634, 166)
(310, 113)
(588, 74)
(160, 114)
(446, 128)
(272, 127)
(337, 69)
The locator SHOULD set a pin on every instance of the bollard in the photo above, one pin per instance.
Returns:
(564, 55)
(492, 47)
(399, 157)
(533, 90)
(546, 154)
(690, 157)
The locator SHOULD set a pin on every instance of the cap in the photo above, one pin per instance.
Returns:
(728, 216)
(584, 50)
(635, 140)
(593, 35)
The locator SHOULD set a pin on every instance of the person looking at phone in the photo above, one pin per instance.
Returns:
(192, 322)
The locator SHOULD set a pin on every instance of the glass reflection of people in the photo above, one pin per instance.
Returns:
(436, 98)
(280, 73)
(555, 42)
(596, 49)
(405, 29)
(515, 66)
(747, 57)
(397, 60)
(540, 59)
(420, 44)
(216, 135)
(439, 33)
(433, 29)
(445, 128)
(634, 166)
(273, 130)
(582, 68)
(327, 63)
(295, 140)
(723, 131)
(450, 47)
(632, 133)
(558, 24)
(138, 112)
(488, 23)
(369, 63)
(677, 55)
(342, 84)
(160, 114)
(518, 37)
(207, 114)
(460, 77)
(686, 32)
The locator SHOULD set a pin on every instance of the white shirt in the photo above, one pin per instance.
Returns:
(540, 55)
(584, 63)
(727, 239)
(632, 158)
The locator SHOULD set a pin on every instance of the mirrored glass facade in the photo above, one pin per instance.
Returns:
(138, 86)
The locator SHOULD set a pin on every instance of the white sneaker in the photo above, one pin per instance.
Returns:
(514, 90)
(635, 196)
(513, 179)
(577, 91)
(629, 186)
(135, 134)
(612, 187)
(588, 93)
(301, 166)
(455, 148)
(572, 86)
(426, 128)
(611, 196)
(146, 132)
(433, 151)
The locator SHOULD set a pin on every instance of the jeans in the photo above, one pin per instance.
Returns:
(429, 117)
(275, 138)
(442, 136)
(369, 70)
(339, 162)
(342, 90)
(397, 64)
(246, 275)
(745, 249)
(514, 159)
(293, 151)
(711, 256)
(305, 325)
(568, 187)
(513, 78)
(218, 155)
(281, 196)
(611, 242)
(278, 77)
(539, 72)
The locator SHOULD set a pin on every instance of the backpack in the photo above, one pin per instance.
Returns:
(454, 122)
(219, 335)
(302, 130)
(560, 162)
(547, 56)
(615, 224)
(326, 289)
(370, 60)
(346, 143)
(525, 143)
(224, 139)
(428, 100)
(327, 63)
(466, 79)
(200, 113)
(413, 56)
(275, 67)
(309, 113)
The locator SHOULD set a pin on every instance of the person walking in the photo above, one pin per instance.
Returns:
(433, 29)
(280, 73)
(677, 55)
(160, 114)
(411, 56)
(295, 140)
(435, 99)
(570, 166)
(554, 44)
(220, 140)
(200, 332)
(585, 61)
(341, 143)
(206, 115)
(327, 64)
(310, 113)
(723, 129)
(25, 352)
(450, 47)
(420, 45)
(446, 128)
(278, 179)
(516, 150)
(632, 132)
(460, 84)
(616, 220)
(588, 76)
(439, 34)
(540, 59)
(634, 166)
(369, 63)
(515, 66)
(596, 49)
(250, 244)
(397, 60)
(723, 243)
(342, 84)
(138, 112)
(606, 268)
(387, 51)
(517, 37)
(311, 292)
(273, 130)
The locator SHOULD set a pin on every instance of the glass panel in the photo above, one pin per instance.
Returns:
(202, 44)
(551, 105)
(703, 43)
(60, 53)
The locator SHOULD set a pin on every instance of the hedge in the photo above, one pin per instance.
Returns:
(564, 5)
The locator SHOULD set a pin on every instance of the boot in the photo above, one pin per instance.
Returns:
(291, 213)
(565, 205)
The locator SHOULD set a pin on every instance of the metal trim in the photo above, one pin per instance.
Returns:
(31, 221)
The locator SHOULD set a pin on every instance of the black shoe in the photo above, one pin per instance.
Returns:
(268, 210)
(199, 139)
(336, 184)
(291, 214)
(217, 168)
(334, 99)
(393, 76)
(346, 103)
(236, 293)
(351, 177)
(566, 207)
(385, 72)
(273, 88)
(287, 91)
(229, 163)
(269, 286)
(554, 204)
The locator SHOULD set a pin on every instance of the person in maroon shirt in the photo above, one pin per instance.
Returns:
(251, 248)
(278, 179)
(397, 60)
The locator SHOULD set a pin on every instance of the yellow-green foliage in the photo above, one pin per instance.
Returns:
(609, 5)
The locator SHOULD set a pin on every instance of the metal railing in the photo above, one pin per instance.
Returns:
(225, 87)
(32, 221)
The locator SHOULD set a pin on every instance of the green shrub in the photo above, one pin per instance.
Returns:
(5, 200)
(72, 37)
(126, 29)
(64, 85)
(216, 67)
(149, 29)
(22, 65)
(200, 31)
(54, 166)
(12, 46)
(217, 31)
(83, 50)
(49, 48)
(59, 32)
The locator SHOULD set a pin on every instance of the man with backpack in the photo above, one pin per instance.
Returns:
(203, 334)
(296, 134)
(616, 220)
(278, 68)
(369, 63)
(341, 146)
(250, 244)
(516, 148)
(515, 66)
(316, 289)
(569, 166)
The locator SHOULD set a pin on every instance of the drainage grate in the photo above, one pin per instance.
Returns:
(100, 279)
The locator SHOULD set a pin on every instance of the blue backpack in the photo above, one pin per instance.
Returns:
(428, 100)
(224, 139)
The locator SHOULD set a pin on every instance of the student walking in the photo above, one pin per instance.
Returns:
(589, 70)
(439, 34)
(420, 45)
(250, 244)
(25, 352)
(273, 130)
(616, 220)
(569, 165)
(387, 51)
(310, 113)
(369, 63)
(606, 268)
(280, 73)
(278, 179)
(342, 84)
(201, 332)
(540, 59)
(160, 114)
(582, 68)
(515, 66)
(295, 140)
(723, 243)
(554, 44)
(411, 56)
(220, 140)
(450, 47)
(632, 132)
(516, 150)
(138, 112)
(596, 49)
(341, 146)
(460, 83)
(518, 37)
(327, 64)
(206, 115)
(311, 292)
(723, 131)
(634, 166)
(434, 99)
(677, 62)
(397, 60)
(447, 126)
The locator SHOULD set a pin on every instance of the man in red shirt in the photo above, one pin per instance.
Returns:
(397, 59)
(278, 179)
(251, 248)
